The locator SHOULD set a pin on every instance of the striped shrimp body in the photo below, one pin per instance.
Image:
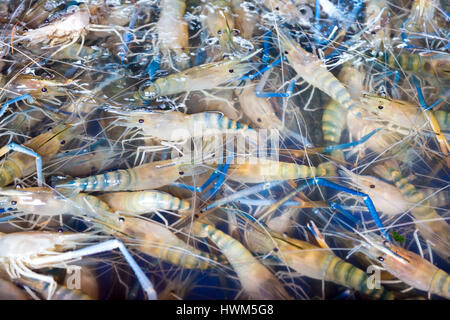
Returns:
(259, 170)
(437, 231)
(443, 118)
(172, 31)
(203, 77)
(256, 280)
(141, 202)
(178, 126)
(47, 144)
(408, 266)
(433, 65)
(314, 262)
(333, 123)
(154, 240)
(147, 176)
(309, 67)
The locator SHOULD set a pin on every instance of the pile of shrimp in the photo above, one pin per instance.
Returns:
(224, 149)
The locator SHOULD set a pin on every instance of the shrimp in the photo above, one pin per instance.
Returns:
(377, 20)
(381, 141)
(407, 266)
(424, 17)
(431, 66)
(386, 197)
(256, 280)
(259, 170)
(22, 251)
(38, 87)
(172, 31)
(45, 202)
(203, 77)
(437, 231)
(312, 70)
(154, 240)
(218, 100)
(402, 117)
(47, 144)
(313, 262)
(66, 29)
(219, 22)
(144, 201)
(289, 11)
(92, 159)
(147, 176)
(260, 111)
(245, 18)
(178, 126)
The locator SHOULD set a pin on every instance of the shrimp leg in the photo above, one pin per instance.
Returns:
(367, 201)
(19, 98)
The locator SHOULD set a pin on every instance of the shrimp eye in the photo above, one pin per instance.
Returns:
(63, 141)
(44, 89)
(141, 120)
(372, 186)
(275, 249)
(196, 216)
(219, 32)
(122, 219)
(380, 259)
(380, 107)
(286, 52)
(60, 230)
(276, 8)
(231, 71)
(13, 202)
(259, 120)
(181, 173)
(236, 32)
